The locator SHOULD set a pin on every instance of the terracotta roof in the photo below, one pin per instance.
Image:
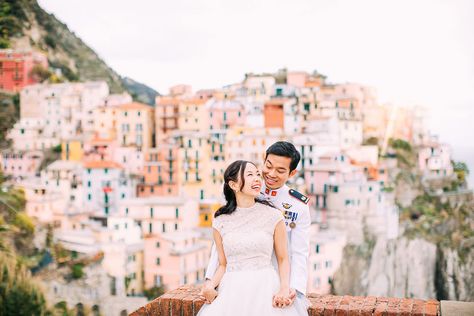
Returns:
(135, 106)
(101, 164)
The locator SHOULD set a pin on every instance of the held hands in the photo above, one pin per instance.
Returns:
(285, 297)
(208, 292)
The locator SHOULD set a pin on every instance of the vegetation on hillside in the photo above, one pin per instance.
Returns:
(19, 294)
(22, 20)
(431, 216)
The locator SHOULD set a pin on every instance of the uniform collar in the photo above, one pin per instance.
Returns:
(272, 193)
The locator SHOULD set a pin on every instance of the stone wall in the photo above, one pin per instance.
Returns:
(185, 301)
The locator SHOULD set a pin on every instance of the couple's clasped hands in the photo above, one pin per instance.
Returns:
(282, 299)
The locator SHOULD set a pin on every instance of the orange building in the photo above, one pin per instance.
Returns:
(16, 67)
(274, 114)
(160, 172)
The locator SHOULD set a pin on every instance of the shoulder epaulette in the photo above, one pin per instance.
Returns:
(301, 197)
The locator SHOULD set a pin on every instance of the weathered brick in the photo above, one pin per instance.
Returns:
(317, 310)
(431, 309)
(165, 305)
(153, 308)
(140, 312)
(381, 308)
(186, 301)
(198, 303)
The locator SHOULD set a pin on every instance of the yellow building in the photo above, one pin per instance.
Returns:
(72, 150)
(135, 125)
(207, 209)
(195, 165)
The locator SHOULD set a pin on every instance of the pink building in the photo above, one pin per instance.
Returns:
(173, 259)
(296, 78)
(20, 164)
(16, 67)
(325, 257)
(434, 160)
(331, 169)
(225, 114)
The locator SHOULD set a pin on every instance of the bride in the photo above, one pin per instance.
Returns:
(246, 231)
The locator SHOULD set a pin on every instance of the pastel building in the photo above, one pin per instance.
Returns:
(16, 68)
(131, 158)
(353, 205)
(325, 256)
(166, 117)
(119, 241)
(72, 149)
(296, 79)
(160, 175)
(27, 134)
(43, 203)
(135, 125)
(65, 177)
(193, 115)
(259, 86)
(105, 184)
(175, 258)
(99, 149)
(250, 143)
(161, 214)
(331, 168)
(282, 113)
(225, 114)
(434, 160)
(20, 164)
(207, 209)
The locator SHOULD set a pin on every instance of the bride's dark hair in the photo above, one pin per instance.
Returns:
(232, 174)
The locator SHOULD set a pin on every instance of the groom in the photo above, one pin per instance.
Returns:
(281, 160)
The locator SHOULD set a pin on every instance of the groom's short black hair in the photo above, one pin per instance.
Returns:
(285, 149)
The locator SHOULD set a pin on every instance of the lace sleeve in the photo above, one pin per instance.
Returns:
(217, 224)
(274, 217)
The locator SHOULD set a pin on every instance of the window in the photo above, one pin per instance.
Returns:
(177, 213)
(150, 228)
(158, 244)
(317, 248)
(175, 226)
(151, 212)
(89, 196)
(158, 261)
(106, 170)
(164, 228)
(88, 184)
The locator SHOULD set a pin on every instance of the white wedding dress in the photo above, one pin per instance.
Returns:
(250, 280)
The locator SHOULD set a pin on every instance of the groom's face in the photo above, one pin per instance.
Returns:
(276, 171)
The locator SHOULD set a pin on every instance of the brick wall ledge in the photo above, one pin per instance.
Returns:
(185, 301)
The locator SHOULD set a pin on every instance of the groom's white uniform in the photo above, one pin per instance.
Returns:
(294, 207)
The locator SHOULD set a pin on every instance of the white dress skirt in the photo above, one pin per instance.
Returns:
(250, 281)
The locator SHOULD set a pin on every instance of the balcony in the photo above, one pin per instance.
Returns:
(186, 301)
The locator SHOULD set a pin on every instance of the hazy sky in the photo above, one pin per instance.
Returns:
(413, 51)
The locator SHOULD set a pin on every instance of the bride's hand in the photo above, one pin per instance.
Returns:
(209, 293)
(282, 298)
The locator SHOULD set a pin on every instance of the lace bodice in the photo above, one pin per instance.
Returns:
(247, 236)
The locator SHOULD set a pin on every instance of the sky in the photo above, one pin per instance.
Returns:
(413, 52)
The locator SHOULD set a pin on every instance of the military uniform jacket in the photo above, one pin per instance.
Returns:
(294, 208)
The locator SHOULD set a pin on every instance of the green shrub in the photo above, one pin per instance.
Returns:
(77, 271)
